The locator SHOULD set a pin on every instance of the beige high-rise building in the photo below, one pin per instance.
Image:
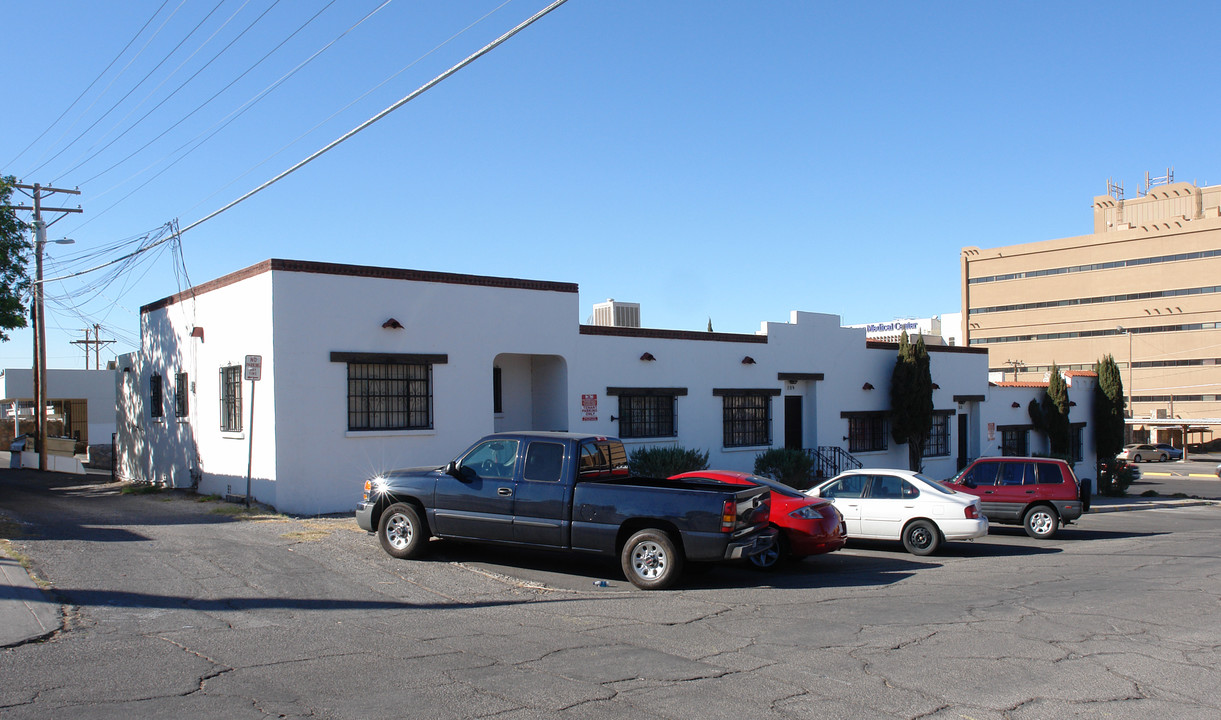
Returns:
(1144, 287)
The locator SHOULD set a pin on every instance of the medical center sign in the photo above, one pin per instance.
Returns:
(589, 407)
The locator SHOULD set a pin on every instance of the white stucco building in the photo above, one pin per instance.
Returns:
(366, 368)
(83, 400)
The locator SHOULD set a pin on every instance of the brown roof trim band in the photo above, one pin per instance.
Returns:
(670, 334)
(304, 266)
(389, 358)
(721, 392)
(882, 345)
(647, 391)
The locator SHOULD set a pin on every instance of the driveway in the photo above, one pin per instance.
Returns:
(175, 610)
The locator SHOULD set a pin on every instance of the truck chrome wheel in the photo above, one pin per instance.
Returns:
(651, 561)
(398, 531)
(401, 532)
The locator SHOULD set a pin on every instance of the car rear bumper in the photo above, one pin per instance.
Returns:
(1069, 510)
(964, 528)
(753, 545)
(820, 536)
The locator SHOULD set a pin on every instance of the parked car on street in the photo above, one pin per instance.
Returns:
(903, 505)
(570, 492)
(1040, 494)
(1171, 451)
(807, 525)
(1142, 452)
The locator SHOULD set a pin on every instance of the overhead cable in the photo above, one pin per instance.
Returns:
(90, 86)
(421, 90)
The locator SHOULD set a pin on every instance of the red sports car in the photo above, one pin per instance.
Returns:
(808, 525)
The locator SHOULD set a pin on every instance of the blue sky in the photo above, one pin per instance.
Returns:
(723, 160)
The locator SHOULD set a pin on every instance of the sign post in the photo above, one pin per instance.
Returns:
(254, 372)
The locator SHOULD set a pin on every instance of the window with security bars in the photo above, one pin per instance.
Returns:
(1014, 442)
(180, 395)
(389, 396)
(646, 416)
(867, 433)
(231, 398)
(154, 396)
(938, 443)
(747, 420)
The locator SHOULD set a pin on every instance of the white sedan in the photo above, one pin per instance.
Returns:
(903, 505)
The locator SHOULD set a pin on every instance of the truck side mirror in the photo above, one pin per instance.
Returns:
(451, 468)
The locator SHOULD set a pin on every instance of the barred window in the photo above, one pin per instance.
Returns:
(180, 395)
(154, 396)
(389, 396)
(746, 419)
(938, 443)
(646, 416)
(867, 432)
(231, 398)
(1014, 442)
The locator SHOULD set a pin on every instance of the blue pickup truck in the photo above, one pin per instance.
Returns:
(567, 491)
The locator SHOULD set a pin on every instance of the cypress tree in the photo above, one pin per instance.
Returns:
(911, 399)
(1055, 412)
(1108, 409)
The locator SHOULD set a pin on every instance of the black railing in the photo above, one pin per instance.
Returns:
(831, 460)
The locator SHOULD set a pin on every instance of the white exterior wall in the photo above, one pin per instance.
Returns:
(236, 321)
(320, 465)
(307, 461)
(97, 387)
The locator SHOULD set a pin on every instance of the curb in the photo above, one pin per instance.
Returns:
(27, 612)
(1152, 505)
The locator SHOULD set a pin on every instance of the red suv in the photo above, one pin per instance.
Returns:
(1038, 493)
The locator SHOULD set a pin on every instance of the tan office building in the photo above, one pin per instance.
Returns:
(1144, 287)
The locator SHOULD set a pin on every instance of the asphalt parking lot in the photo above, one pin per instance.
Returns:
(173, 609)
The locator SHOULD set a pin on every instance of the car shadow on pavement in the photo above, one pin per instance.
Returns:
(580, 571)
(1072, 532)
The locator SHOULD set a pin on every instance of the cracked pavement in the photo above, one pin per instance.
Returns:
(173, 610)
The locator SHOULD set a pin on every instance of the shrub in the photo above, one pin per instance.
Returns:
(666, 461)
(792, 467)
(1114, 477)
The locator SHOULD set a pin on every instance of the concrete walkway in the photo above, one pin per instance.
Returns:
(27, 612)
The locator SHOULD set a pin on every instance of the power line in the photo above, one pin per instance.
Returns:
(175, 91)
(137, 85)
(421, 90)
(90, 86)
(223, 123)
(362, 96)
(214, 96)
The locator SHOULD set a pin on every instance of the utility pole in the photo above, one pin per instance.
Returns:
(1016, 365)
(37, 193)
(97, 342)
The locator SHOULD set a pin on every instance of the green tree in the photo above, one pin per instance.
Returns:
(1108, 409)
(911, 399)
(14, 257)
(1051, 416)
